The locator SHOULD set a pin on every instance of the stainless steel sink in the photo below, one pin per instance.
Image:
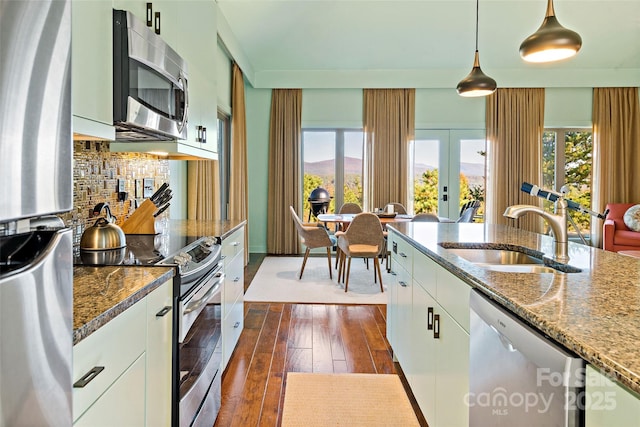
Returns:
(519, 268)
(506, 260)
(503, 260)
(495, 256)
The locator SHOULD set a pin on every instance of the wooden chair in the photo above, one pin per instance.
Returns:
(313, 236)
(363, 239)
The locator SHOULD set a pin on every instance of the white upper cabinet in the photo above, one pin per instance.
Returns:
(92, 68)
(190, 28)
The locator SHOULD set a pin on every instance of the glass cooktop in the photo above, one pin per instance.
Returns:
(141, 249)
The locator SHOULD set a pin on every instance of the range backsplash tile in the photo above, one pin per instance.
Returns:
(96, 172)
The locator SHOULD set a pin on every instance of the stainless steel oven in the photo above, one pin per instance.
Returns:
(198, 333)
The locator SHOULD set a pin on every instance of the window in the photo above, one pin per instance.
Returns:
(224, 161)
(332, 159)
(566, 160)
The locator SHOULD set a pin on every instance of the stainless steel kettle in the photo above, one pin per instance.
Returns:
(103, 235)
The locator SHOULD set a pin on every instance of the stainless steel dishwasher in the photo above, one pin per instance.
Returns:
(517, 377)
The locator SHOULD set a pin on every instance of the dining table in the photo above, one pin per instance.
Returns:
(344, 219)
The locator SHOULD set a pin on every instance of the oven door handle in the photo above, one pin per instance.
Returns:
(195, 305)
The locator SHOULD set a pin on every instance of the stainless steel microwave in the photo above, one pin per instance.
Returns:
(150, 84)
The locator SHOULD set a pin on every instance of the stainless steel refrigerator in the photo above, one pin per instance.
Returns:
(36, 272)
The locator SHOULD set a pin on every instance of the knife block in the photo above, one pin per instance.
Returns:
(141, 220)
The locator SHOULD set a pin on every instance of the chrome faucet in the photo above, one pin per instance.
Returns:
(557, 221)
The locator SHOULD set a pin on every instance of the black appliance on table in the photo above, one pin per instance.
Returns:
(36, 272)
(319, 199)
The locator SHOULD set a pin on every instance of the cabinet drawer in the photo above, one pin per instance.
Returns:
(115, 346)
(122, 404)
(233, 283)
(401, 251)
(231, 329)
(453, 296)
(234, 244)
(424, 272)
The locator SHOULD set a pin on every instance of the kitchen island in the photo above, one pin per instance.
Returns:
(594, 312)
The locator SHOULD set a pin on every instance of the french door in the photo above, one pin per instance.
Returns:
(448, 166)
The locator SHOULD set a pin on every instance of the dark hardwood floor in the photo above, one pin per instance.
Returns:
(280, 338)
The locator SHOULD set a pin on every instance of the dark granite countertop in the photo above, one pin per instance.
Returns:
(102, 293)
(595, 313)
(199, 228)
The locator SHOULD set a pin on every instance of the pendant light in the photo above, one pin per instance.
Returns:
(476, 83)
(552, 42)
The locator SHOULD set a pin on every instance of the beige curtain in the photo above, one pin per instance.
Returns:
(515, 123)
(389, 128)
(203, 197)
(616, 151)
(238, 191)
(285, 136)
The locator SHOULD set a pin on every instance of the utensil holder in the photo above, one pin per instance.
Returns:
(141, 220)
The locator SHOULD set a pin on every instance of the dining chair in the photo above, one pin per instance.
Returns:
(363, 239)
(313, 236)
(350, 208)
(397, 208)
(468, 211)
(425, 217)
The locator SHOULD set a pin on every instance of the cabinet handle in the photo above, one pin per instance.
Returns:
(204, 135)
(164, 311)
(88, 377)
(149, 14)
(403, 283)
(237, 279)
(436, 326)
(236, 325)
(429, 318)
(157, 22)
(403, 255)
(236, 244)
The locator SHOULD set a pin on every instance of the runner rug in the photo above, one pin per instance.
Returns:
(346, 400)
(277, 281)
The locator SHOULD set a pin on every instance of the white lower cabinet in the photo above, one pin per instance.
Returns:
(122, 371)
(232, 293)
(159, 352)
(608, 404)
(123, 402)
(428, 320)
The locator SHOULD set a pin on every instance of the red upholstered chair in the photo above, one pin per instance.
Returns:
(616, 236)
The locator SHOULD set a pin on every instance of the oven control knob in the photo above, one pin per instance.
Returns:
(208, 241)
(180, 260)
(185, 256)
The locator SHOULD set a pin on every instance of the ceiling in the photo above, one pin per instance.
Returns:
(426, 43)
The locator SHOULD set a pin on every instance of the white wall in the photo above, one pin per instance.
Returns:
(178, 185)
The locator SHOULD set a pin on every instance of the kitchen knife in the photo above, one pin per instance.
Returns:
(158, 193)
(164, 198)
(162, 209)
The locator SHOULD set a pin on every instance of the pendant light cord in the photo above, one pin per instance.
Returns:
(477, 13)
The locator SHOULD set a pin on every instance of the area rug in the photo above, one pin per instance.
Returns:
(277, 281)
(346, 400)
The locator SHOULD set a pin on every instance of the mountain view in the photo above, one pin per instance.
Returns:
(353, 166)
